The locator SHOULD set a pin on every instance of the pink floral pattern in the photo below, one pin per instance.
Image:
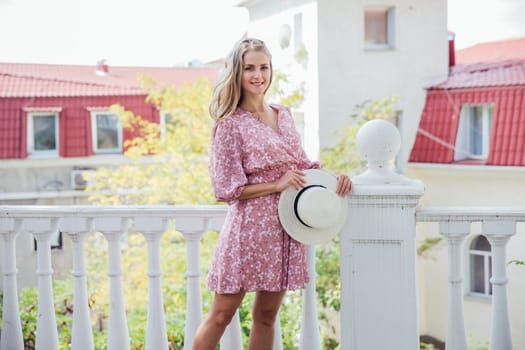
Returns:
(253, 251)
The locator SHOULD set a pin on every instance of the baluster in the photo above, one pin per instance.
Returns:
(310, 339)
(192, 229)
(232, 337)
(454, 233)
(498, 234)
(153, 228)
(278, 337)
(78, 229)
(118, 334)
(11, 337)
(46, 329)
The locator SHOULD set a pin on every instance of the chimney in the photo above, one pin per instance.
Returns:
(451, 49)
(102, 67)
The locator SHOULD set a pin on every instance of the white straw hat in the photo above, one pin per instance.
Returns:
(315, 213)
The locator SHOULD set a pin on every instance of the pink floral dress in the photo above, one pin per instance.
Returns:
(253, 251)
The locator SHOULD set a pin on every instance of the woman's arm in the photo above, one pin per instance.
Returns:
(290, 178)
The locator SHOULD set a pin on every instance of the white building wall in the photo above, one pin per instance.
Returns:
(266, 23)
(480, 186)
(342, 74)
(349, 74)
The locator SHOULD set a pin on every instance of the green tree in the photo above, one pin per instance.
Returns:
(159, 160)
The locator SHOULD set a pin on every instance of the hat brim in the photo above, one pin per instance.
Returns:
(295, 228)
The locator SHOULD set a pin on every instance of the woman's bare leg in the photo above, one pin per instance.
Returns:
(221, 313)
(265, 309)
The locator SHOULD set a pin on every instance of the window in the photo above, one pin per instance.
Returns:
(379, 28)
(42, 134)
(107, 132)
(167, 121)
(473, 136)
(480, 258)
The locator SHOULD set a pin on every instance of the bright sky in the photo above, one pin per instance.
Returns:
(168, 32)
(125, 32)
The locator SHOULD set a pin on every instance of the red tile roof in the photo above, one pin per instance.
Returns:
(513, 49)
(491, 73)
(46, 80)
(485, 74)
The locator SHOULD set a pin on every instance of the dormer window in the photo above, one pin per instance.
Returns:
(107, 132)
(42, 134)
(473, 138)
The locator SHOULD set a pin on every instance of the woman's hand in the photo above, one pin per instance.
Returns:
(295, 178)
(344, 185)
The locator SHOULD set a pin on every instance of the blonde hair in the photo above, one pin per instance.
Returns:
(227, 93)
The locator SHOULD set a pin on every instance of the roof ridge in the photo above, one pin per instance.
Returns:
(79, 82)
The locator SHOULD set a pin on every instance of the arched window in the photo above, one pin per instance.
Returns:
(480, 257)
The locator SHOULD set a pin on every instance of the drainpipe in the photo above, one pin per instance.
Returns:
(378, 249)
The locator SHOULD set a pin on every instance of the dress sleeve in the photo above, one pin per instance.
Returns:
(226, 166)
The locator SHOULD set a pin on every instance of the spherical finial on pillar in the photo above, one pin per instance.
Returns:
(378, 142)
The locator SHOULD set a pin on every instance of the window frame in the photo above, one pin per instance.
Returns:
(163, 117)
(31, 152)
(390, 29)
(463, 147)
(487, 270)
(94, 133)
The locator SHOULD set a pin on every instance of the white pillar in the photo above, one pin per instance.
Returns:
(153, 228)
(192, 229)
(310, 339)
(11, 337)
(46, 328)
(118, 334)
(454, 233)
(498, 234)
(378, 250)
(81, 335)
(232, 337)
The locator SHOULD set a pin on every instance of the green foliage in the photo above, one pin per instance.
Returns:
(343, 158)
(63, 301)
(517, 262)
(328, 288)
(425, 346)
(427, 244)
(157, 172)
(286, 92)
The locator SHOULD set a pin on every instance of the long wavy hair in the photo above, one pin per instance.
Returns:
(227, 94)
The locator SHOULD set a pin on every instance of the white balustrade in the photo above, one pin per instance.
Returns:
(310, 339)
(153, 228)
(192, 229)
(46, 331)
(81, 335)
(454, 233)
(377, 254)
(498, 234)
(114, 229)
(11, 337)
(498, 225)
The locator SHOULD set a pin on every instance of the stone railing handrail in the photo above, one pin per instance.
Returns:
(113, 222)
(470, 214)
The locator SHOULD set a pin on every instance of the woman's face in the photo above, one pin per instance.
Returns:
(256, 73)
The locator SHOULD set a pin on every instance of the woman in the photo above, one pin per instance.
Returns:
(256, 154)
